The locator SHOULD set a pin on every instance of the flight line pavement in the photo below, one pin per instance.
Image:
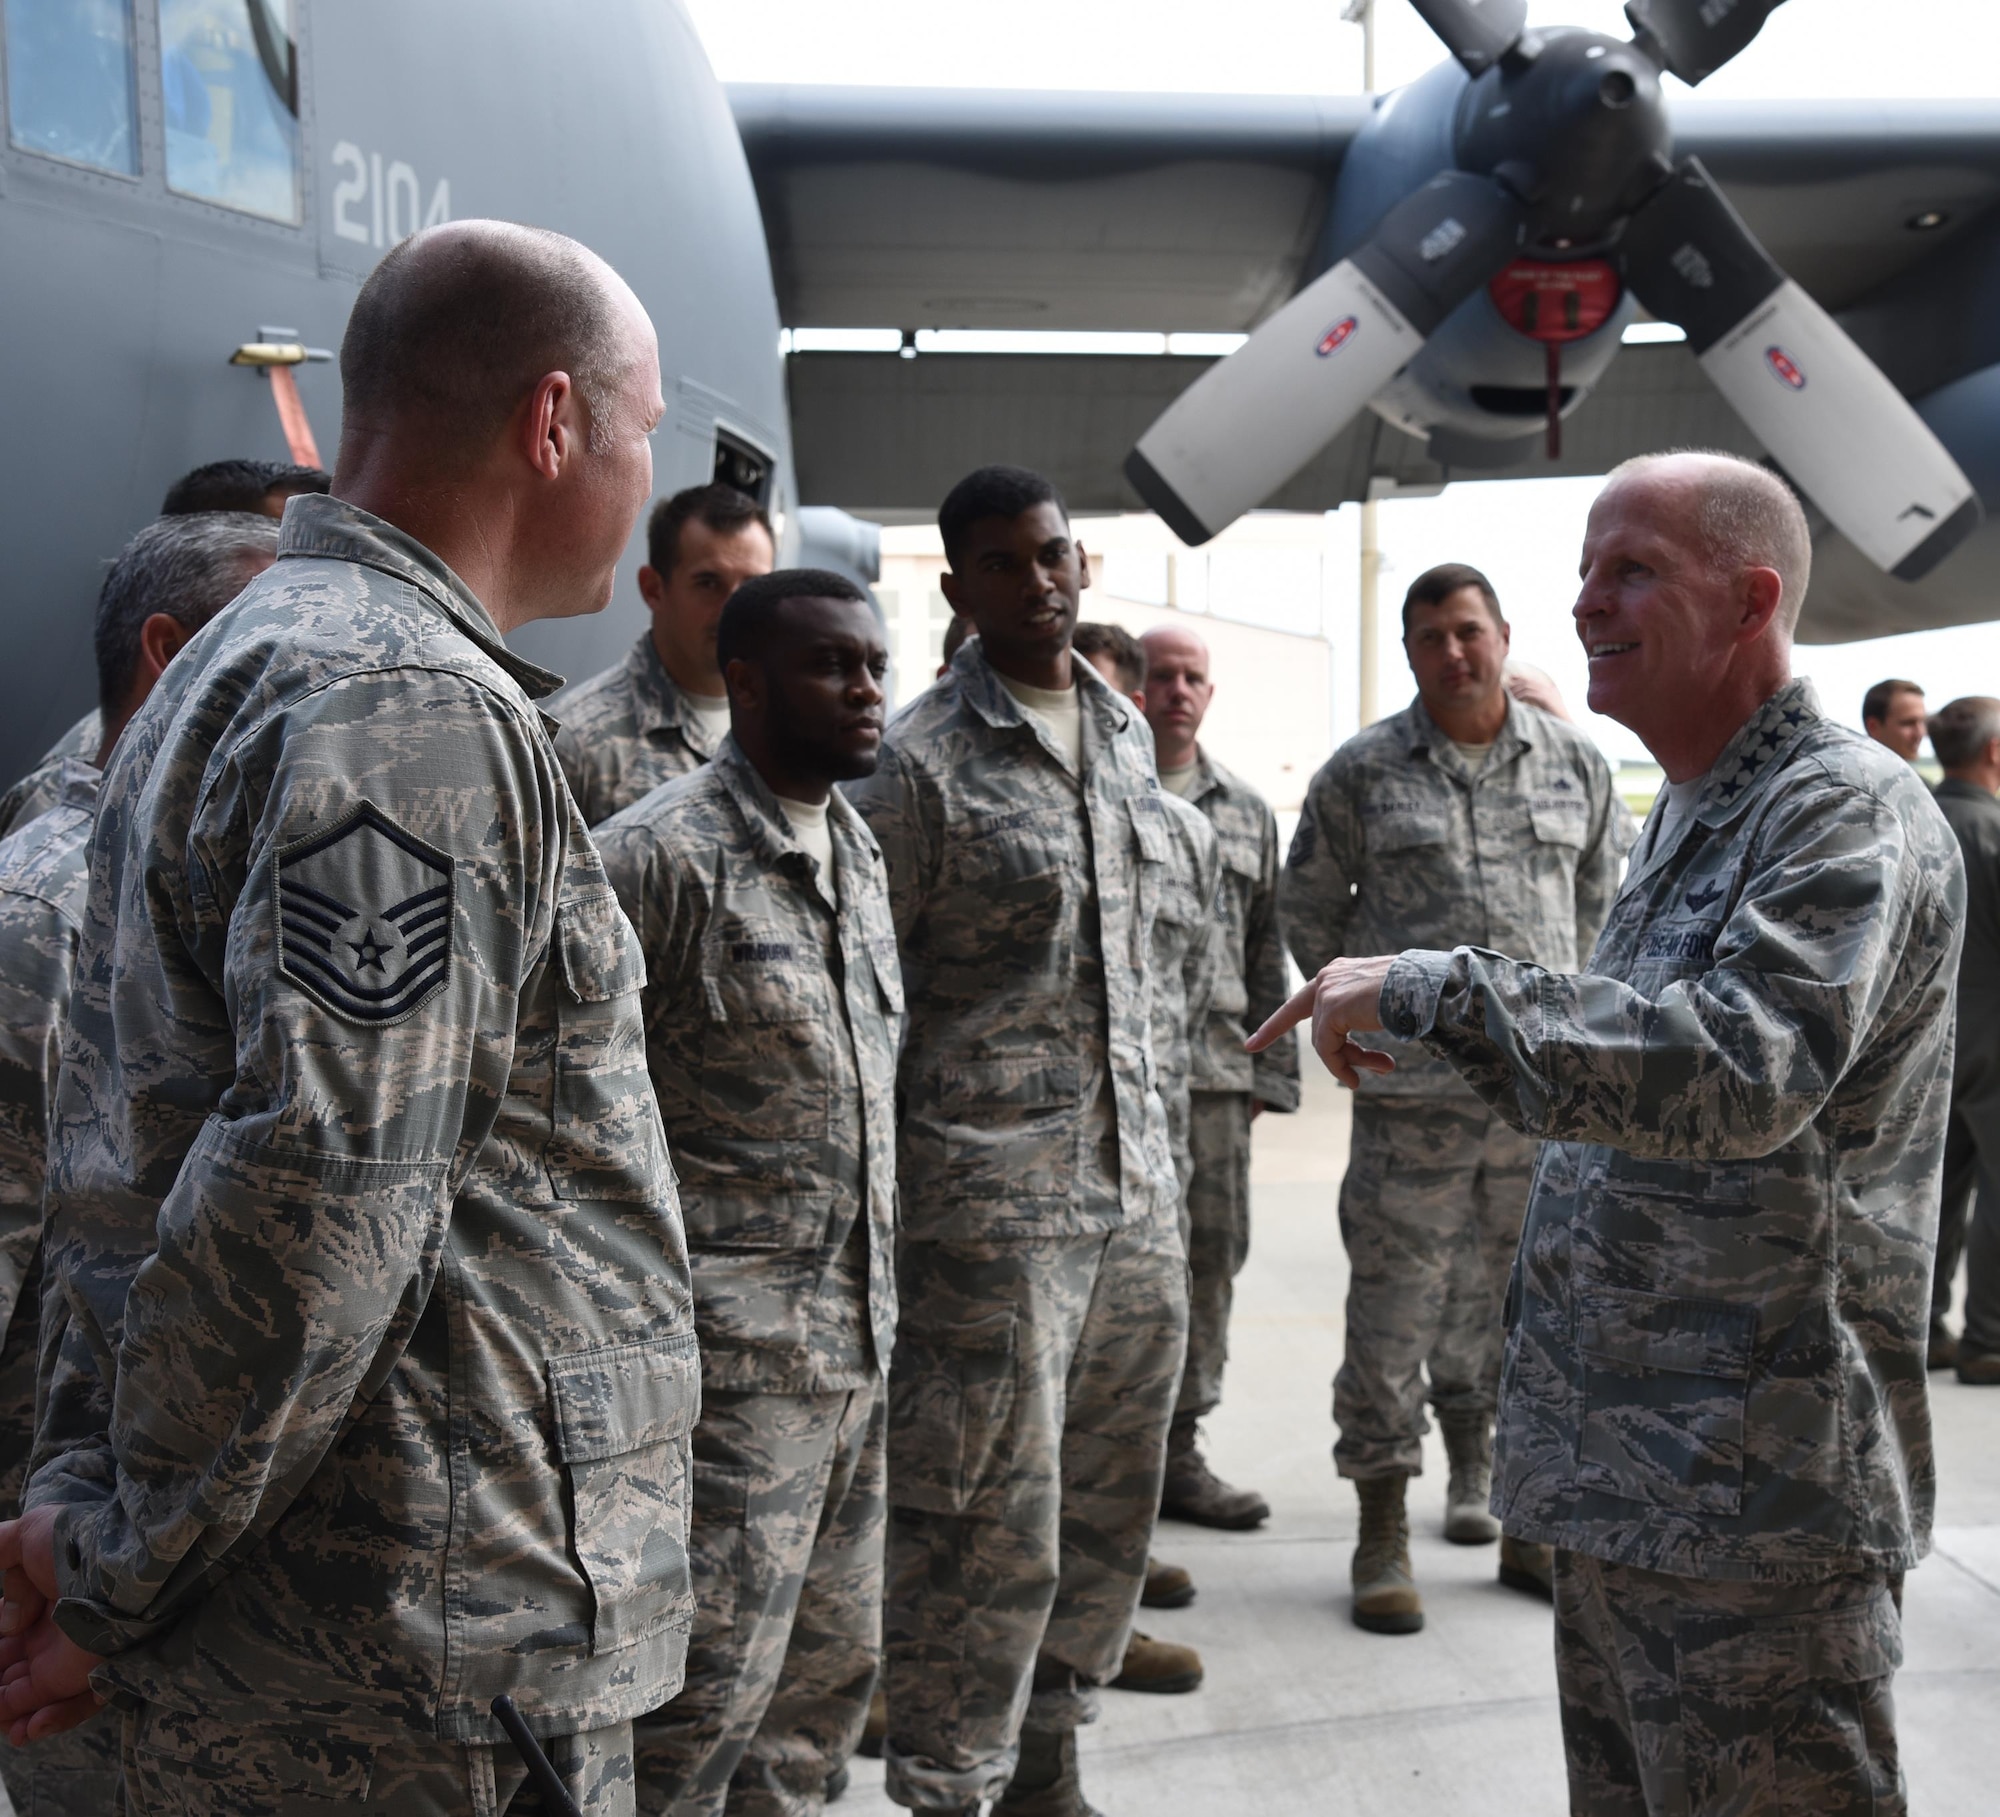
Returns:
(1302, 1715)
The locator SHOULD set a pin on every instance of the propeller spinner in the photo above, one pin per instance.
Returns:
(1561, 150)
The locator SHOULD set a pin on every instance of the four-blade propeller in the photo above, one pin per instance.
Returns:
(1560, 152)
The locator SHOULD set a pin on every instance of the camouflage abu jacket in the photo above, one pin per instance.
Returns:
(626, 731)
(1024, 897)
(1187, 947)
(42, 787)
(1402, 845)
(44, 868)
(1718, 1317)
(773, 1007)
(374, 1392)
(1250, 963)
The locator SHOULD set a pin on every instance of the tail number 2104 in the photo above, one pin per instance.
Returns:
(391, 198)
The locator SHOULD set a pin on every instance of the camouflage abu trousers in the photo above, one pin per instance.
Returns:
(1431, 1214)
(1028, 1412)
(194, 1766)
(1218, 1240)
(1702, 1697)
(785, 1543)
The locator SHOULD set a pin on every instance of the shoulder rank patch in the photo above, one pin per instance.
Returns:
(364, 917)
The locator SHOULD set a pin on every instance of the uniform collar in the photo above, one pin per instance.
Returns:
(1750, 758)
(1952, 788)
(663, 705)
(1423, 737)
(979, 682)
(317, 525)
(771, 832)
(80, 781)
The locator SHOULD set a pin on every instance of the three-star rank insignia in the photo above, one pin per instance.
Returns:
(365, 917)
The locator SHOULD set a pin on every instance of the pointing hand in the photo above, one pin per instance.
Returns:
(1343, 998)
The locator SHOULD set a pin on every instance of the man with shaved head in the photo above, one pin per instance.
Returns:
(368, 1363)
(1713, 1403)
(1228, 1087)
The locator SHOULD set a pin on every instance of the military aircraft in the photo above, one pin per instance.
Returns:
(187, 182)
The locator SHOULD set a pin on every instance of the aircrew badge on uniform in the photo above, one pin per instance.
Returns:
(364, 917)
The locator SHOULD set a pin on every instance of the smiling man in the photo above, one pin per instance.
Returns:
(1713, 1402)
(773, 1005)
(1468, 816)
(1042, 1277)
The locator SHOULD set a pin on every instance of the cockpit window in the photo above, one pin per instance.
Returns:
(229, 80)
(69, 81)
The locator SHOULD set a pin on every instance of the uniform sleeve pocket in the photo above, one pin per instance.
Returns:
(953, 1410)
(604, 1112)
(623, 1416)
(601, 958)
(1665, 1381)
(1010, 1126)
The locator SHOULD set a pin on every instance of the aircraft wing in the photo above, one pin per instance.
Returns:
(910, 209)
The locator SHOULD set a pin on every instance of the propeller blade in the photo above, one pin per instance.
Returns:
(1695, 38)
(1477, 32)
(1842, 433)
(1254, 419)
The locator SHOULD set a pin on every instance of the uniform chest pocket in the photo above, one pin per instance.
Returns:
(1013, 876)
(1407, 831)
(623, 1419)
(604, 1120)
(1665, 1382)
(764, 1070)
(1559, 821)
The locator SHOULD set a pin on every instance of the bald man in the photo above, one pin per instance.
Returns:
(1713, 1403)
(1229, 1088)
(368, 1362)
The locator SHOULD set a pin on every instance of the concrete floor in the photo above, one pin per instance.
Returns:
(1302, 1713)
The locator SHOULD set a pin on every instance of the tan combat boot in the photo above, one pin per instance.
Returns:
(1045, 1783)
(1468, 1445)
(1167, 1586)
(1385, 1588)
(1158, 1666)
(1528, 1567)
(1193, 1492)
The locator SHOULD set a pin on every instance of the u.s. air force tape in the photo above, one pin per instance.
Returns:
(364, 917)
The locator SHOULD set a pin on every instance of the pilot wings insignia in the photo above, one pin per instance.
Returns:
(365, 917)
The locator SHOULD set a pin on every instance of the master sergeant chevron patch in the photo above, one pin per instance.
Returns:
(365, 917)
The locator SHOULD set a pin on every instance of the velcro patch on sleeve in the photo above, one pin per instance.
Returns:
(365, 917)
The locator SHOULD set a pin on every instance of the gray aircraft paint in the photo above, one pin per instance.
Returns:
(122, 301)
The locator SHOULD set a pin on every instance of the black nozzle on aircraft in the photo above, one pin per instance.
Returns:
(1561, 152)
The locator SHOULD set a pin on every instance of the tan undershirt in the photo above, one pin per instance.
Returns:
(1181, 781)
(812, 830)
(1059, 714)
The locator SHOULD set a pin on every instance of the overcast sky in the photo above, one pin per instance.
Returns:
(1525, 533)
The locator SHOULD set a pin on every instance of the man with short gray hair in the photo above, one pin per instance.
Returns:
(1713, 1403)
(1966, 737)
(172, 578)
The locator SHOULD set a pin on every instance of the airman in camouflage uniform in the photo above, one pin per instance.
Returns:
(625, 732)
(1404, 842)
(1042, 1279)
(1713, 1402)
(42, 787)
(773, 1009)
(1732, 1223)
(1229, 1087)
(661, 712)
(369, 1390)
(44, 871)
